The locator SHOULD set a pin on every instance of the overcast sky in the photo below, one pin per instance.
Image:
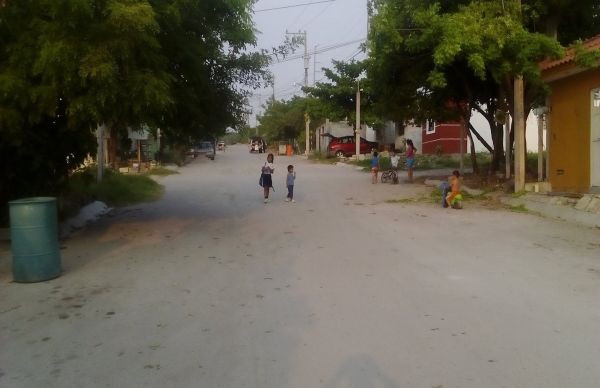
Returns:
(327, 24)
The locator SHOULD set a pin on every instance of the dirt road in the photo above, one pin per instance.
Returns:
(209, 287)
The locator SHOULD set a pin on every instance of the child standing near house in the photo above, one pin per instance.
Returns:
(374, 167)
(289, 181)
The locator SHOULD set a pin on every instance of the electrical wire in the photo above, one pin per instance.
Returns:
(320, 50)
(354, 55)
(303, 27)
(297, 18)
(293, 6)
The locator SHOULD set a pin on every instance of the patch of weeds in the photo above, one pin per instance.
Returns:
(436, 194)
(365, 164)
(518, 208)
(518, 194)
(422, 199)
(161, 171)
(323, 157)
(118, 189)
(115, 189)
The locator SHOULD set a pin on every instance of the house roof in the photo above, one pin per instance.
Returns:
(590, 44)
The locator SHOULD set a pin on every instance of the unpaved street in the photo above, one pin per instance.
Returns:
(209, 287)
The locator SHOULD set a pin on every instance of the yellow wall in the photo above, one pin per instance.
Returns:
(569, 143)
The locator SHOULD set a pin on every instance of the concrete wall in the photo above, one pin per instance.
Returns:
(414, 133)
(569, 142)
(343, 128)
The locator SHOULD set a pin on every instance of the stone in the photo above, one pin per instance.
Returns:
(594, 205)
(584, 202)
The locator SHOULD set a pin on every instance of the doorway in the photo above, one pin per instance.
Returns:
(595, 140)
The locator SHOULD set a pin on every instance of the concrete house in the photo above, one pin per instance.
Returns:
(572, 117)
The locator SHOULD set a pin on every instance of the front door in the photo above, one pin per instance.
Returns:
(595, 140)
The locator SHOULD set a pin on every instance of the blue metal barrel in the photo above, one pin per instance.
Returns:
(34, 239)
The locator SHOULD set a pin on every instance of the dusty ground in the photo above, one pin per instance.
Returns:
(209, 287)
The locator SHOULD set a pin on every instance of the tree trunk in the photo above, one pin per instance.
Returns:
(113, 147)
(481, 139)
(473, 153)
(498, 154)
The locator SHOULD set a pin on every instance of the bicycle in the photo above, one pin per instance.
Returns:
(389, 176)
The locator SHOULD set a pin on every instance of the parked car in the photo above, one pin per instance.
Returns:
(221, 145)
(258, 144)
(346, 146)
(205, 148)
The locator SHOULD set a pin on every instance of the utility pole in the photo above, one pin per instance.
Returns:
(519, 126)
(507, 146)
(273, 97)
(306, 59)
(307, 122)
(306, 56)
(357, 136)
(519, 134)
(315, 65)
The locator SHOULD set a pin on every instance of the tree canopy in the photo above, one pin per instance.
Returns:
(425, 54)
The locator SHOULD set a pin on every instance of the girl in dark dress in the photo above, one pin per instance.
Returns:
(267, 170)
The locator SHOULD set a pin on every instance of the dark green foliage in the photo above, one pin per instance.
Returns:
(336, 97)
(68, 65)
(283, 120)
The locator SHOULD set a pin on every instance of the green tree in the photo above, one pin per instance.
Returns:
(206, 43)
(469, 52)
(68, 65)
(283, 120)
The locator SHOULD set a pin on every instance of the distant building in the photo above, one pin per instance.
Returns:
(443, 138)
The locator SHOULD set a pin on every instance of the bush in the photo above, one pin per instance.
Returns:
(115, 190)
(173, 156)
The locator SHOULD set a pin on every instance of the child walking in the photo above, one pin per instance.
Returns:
(265, 178)
(289, 181)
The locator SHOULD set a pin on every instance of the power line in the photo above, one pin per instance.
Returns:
(293, 6)
(321, 50)
(317, 16)
(355, 54)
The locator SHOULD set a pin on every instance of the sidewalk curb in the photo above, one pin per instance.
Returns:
(560, 208)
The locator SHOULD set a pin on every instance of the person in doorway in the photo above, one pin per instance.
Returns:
(266, 180)
(410, 159)
(374, 167)
(289, 181)
(454, 198)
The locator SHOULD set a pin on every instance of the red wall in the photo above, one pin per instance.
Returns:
(446, 136)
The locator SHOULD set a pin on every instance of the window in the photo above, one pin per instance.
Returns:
(430, 127)
(596, 101)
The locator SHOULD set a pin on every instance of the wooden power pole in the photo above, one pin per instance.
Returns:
(519, 126)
